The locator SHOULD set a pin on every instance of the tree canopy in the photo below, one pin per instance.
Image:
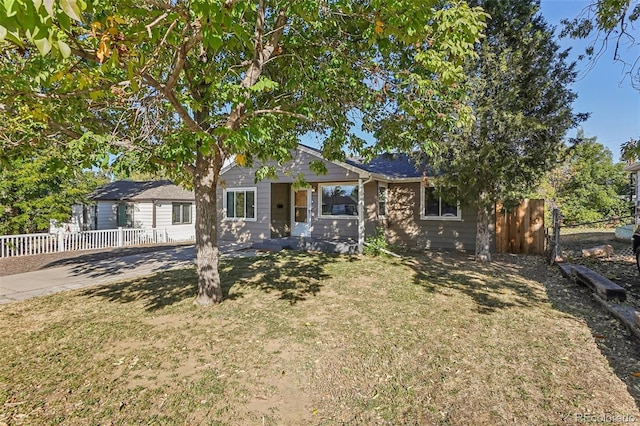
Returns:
(610, 24)
(587, 185)
(38, 188)
(520, 96)
(185, 85)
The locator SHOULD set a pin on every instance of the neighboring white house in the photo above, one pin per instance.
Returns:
(130, 204)
(82, 219)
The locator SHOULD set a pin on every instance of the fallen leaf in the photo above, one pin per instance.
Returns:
(379, 27)
(636, 374)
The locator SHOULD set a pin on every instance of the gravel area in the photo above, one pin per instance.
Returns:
(18, 265)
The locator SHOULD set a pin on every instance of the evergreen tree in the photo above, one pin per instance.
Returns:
(522, 104)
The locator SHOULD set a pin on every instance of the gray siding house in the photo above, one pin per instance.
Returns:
(349, 202)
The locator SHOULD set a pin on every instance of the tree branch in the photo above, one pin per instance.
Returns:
(182, 56)
(273, 111)
(157, 51)
(173, 100)
(154, 23)
(262, 54)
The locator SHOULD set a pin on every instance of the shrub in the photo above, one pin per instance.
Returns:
(375, 245)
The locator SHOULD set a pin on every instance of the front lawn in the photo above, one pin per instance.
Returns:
(310, 339)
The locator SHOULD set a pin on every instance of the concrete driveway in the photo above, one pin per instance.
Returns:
(83, 274)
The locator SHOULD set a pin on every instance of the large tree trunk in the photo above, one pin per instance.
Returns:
(207, 253)
(483, 231)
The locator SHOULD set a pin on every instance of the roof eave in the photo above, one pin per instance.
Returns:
(361, 172)
(633, 167)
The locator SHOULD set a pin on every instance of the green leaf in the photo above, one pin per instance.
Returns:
(64, 21)
(3, 33)
(14, 37)
(43, 45)
(70, 7)
(8, 6)
(215, 41)
(48, 6)
(37, 3)
(65, 50)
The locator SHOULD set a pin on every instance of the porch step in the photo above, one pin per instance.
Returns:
(307, 244)
(604, 287)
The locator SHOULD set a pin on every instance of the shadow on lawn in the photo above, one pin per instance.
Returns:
(107, 256)
(153, 261)
(293, 276)
(616, 343)
(492, 286)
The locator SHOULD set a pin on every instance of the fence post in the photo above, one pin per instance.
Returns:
(60, 241)
(166, 235)
(556, 219)
(120, 236)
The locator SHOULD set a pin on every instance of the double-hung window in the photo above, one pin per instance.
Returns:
(382, 199)
(240, 203)
(181, 213)
(434, 207)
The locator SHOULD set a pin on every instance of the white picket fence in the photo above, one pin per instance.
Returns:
(33, 244)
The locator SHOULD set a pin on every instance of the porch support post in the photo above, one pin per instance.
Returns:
(360, 216)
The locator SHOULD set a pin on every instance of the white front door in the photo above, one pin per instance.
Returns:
(301, 213)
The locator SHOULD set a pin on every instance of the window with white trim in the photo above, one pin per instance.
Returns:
(181, 213)
(433, 207)
(338, 200)
(382, 199)
(240, 203)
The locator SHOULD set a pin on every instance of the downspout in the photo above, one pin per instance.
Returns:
(361, 224)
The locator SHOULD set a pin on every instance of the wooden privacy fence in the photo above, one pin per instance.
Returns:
(521, 230)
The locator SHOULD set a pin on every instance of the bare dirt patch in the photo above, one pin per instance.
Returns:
(316, 339)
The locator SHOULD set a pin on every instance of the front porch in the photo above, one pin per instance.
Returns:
(319, 212)
(343, 246)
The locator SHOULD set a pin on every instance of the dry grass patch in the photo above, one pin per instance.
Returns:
(309, 339)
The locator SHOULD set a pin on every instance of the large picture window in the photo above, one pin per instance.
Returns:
(433, 207)
(240, 204)
(339, 200)
(181, 213)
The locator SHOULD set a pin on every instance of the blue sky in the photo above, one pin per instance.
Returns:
(602, 90)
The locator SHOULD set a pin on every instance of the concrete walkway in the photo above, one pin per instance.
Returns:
(83, 274)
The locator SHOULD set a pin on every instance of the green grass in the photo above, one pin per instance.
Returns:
(307, 339)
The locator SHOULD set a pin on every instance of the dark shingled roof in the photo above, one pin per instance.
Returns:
(138, 191)
(391, 165)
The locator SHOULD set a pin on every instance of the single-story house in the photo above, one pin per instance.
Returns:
(148, 204)
(143, 205)
(350, 201)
